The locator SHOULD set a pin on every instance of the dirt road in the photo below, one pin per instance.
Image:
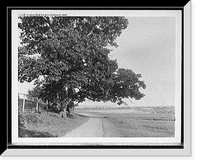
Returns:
(96, 126)
(92, 128)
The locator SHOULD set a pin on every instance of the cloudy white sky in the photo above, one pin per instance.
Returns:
(148, 47)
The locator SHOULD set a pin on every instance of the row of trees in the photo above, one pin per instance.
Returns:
(72, 62)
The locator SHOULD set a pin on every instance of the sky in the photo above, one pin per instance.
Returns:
(147, 46)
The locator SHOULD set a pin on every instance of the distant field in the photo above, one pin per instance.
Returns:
(136, 122)
(166, 109)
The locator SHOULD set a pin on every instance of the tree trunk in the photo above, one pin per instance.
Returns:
(72, 110)
(64, 113)
(67, 109)
(70, 107)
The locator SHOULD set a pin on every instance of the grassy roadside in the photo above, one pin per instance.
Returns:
(48, 124)
(140, 125)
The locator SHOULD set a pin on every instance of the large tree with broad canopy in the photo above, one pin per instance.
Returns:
(72, 62)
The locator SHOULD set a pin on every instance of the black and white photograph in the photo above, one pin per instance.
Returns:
(97, 78)
(110, 76)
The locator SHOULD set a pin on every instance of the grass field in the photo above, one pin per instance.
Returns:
(137, 122)
(137, 125)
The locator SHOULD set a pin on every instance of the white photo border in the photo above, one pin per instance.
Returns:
(180, 147)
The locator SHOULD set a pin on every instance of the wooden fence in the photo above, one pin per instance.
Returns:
(28, 103)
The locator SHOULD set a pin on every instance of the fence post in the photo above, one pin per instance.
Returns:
(37, 105)
(23, 104)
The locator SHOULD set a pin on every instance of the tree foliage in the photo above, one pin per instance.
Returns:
(73, 59)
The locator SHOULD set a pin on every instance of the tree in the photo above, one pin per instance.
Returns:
(73, 60)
